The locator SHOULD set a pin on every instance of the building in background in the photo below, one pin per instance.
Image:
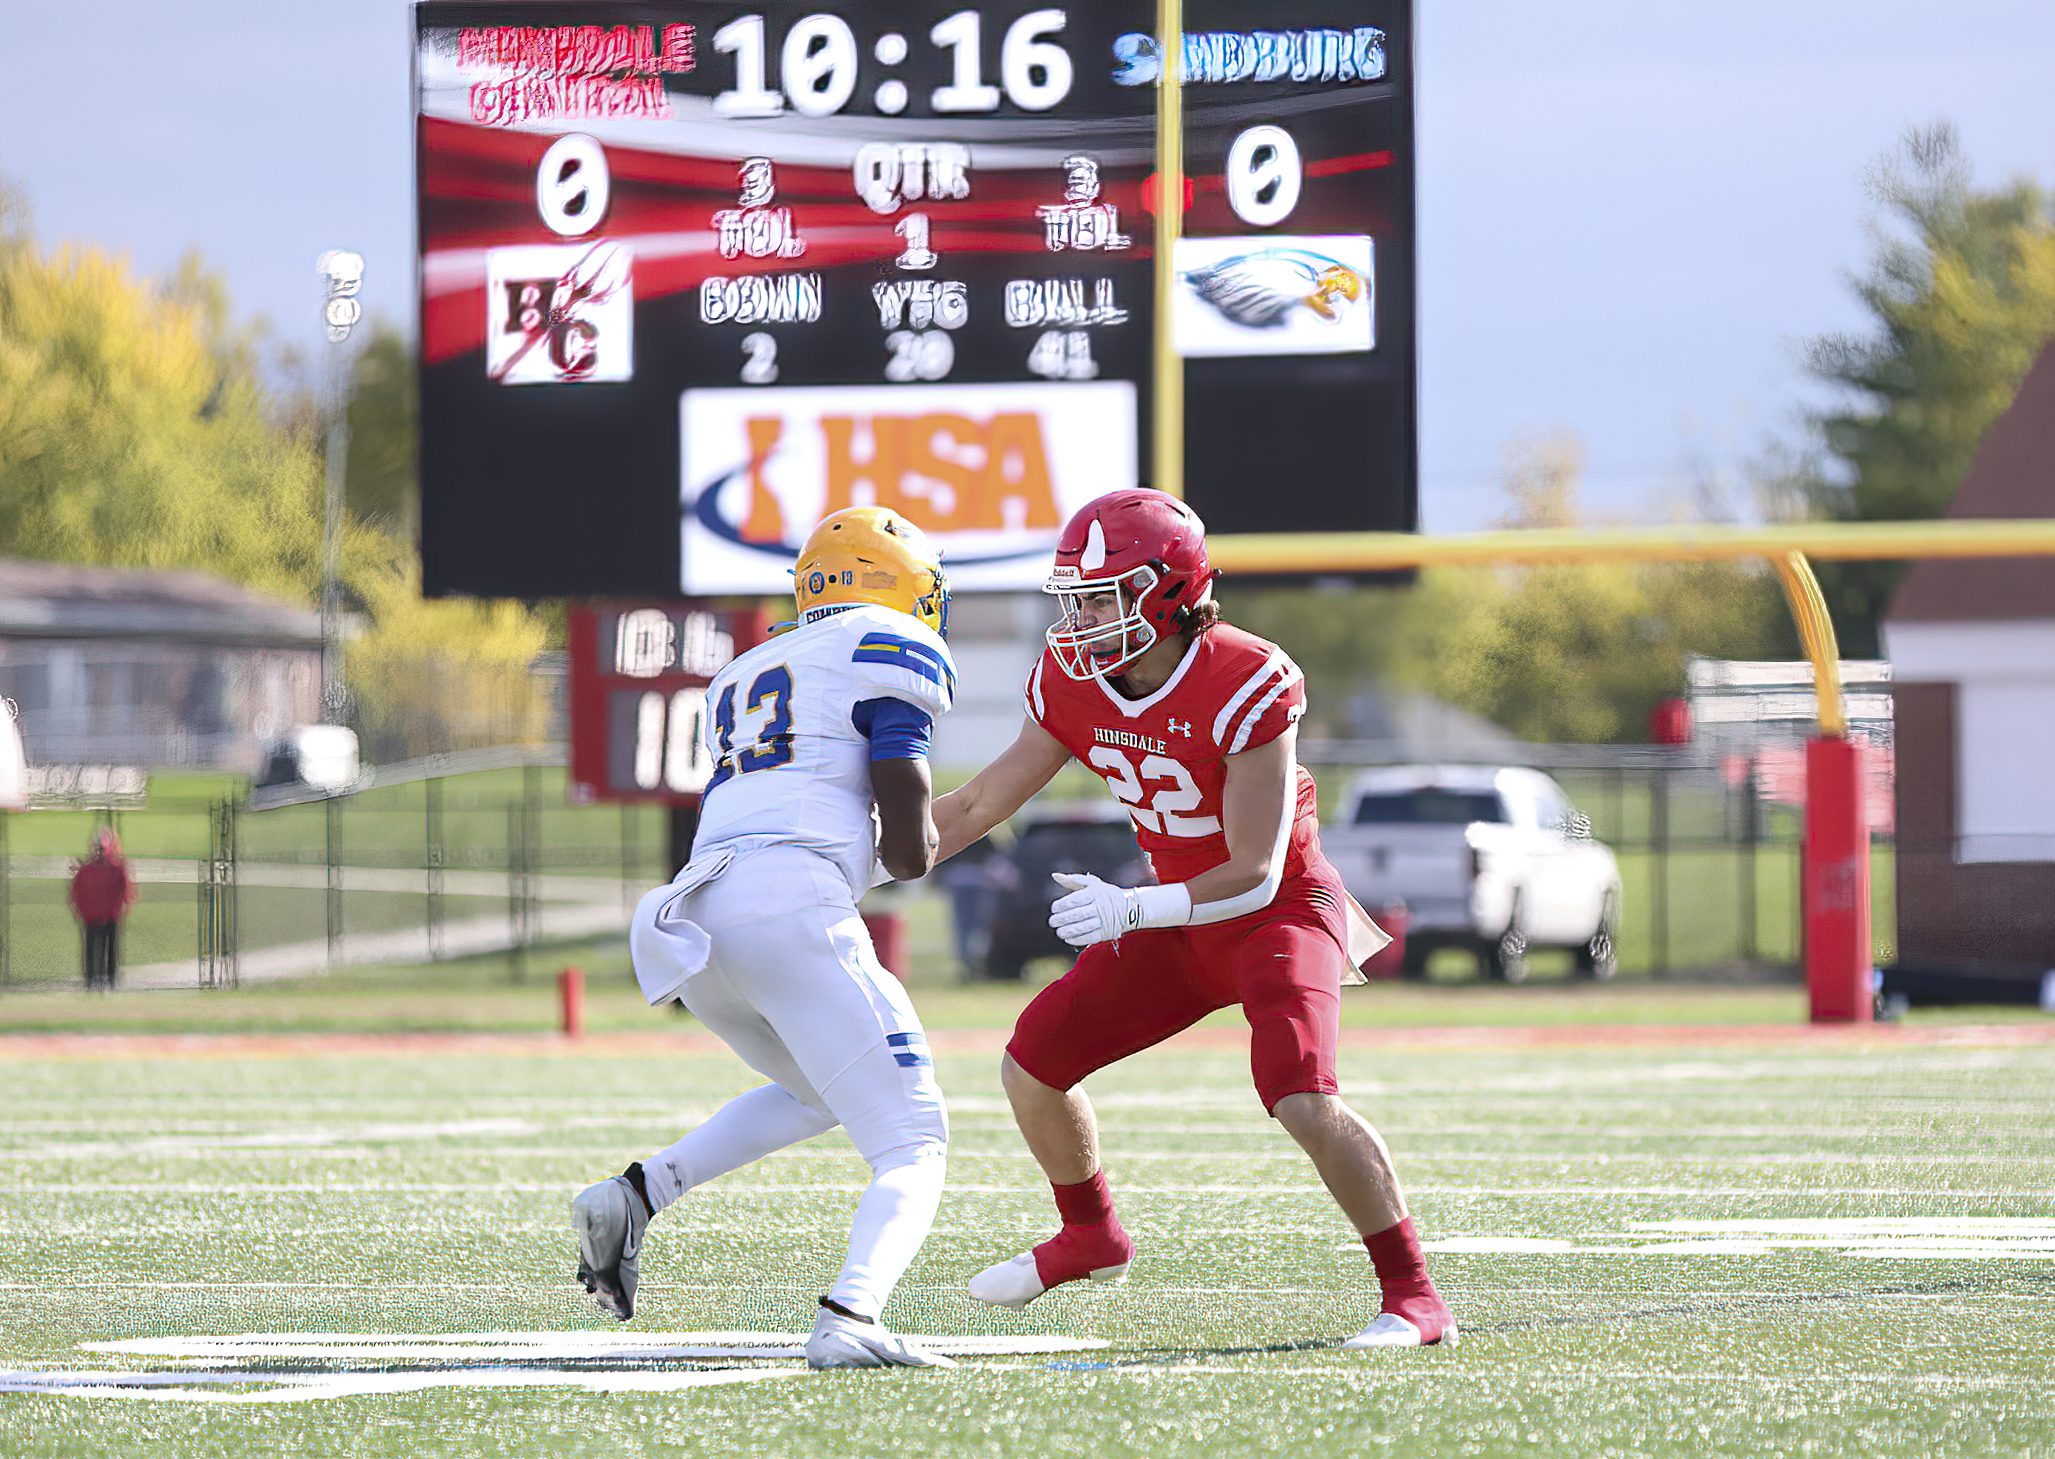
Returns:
(1972, 647)
(116, 666)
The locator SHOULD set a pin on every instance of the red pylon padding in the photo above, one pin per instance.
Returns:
(571, 991)
(1835, 883)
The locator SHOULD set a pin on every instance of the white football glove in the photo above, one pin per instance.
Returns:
(1097, 911)
(1093, 910)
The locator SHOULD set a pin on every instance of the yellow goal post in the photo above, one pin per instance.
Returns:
(1787, 546)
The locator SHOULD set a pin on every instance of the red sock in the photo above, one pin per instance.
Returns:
(1088, 1203)
(1091, 1237)
(1402, 1273)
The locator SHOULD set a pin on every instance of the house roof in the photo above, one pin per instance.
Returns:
(66, 600)
(2013, 475)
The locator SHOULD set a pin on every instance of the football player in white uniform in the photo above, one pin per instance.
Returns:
(759, 935)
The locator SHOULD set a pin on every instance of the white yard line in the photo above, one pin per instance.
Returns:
(749, 1190)
(1579, 1293)
(317, 1146)
(273, 1388)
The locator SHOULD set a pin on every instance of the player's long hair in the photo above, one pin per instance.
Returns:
(1196, 619)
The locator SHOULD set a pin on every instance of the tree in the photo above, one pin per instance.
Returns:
(381, 480)
(127, 439)
(1960, 292)
(433, 675)
(1574, 653)
(135, 431)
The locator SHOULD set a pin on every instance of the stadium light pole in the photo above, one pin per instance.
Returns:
(342, 273)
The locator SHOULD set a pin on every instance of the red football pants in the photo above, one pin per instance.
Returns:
(1283, 965)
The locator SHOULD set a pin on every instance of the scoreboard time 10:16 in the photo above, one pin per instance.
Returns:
(693, 275)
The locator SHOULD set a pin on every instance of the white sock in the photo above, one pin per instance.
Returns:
(741, 1132)
(892, 1220)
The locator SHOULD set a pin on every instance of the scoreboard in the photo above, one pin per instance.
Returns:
(638, 677)
(694, 274)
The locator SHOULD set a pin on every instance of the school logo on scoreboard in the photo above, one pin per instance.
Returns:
(560, 313)
(990, 471)
(1273, 295)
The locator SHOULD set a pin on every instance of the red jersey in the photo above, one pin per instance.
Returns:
(1165, 756)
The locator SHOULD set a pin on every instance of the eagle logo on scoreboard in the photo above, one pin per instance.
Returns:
(560, 314)
(1274, 295)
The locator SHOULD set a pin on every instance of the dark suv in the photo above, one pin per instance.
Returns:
(1090, 836)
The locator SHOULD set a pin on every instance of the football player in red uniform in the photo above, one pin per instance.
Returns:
(1192, 724)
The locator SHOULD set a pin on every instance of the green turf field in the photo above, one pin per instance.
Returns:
(1713, 1243)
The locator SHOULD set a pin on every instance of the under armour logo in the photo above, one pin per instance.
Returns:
(1181, 727)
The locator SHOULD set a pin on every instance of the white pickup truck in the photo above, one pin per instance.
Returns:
(1493, 860)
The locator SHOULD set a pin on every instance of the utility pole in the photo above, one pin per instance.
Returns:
(343, 275)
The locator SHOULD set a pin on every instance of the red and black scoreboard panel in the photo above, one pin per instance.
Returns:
(693, 275)
(638, 677)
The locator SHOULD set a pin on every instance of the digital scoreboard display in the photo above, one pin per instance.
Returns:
(694, 275)
(638, 677)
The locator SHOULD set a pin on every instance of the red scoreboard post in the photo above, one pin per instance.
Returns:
(638, 696)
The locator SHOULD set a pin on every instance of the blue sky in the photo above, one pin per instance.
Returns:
(1631, 214)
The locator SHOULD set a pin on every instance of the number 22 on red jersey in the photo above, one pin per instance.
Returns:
(1164, 756)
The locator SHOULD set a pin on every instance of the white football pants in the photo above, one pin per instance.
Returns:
(793, 986)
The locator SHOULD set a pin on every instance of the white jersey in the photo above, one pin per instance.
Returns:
(791, 765)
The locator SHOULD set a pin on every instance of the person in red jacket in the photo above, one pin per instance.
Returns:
(102, 890)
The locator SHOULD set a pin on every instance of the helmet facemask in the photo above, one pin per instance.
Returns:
(1118, 633)
(933, 606)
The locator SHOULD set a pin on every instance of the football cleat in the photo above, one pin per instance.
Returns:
(1018, 1282)
(1393, 1331)
(841, 1341)
(610, 1219)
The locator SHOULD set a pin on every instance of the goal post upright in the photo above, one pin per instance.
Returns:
(1835, 864)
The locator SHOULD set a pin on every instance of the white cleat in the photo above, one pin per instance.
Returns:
(610, 1219)
(849, 1342)
(1017, 1282)
(1393, 1331)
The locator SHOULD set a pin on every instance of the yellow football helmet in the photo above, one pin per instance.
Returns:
(871, 555)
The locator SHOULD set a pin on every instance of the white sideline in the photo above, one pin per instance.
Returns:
(504, 1359)
(752, 1190)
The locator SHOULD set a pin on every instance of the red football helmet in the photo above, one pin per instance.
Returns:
(1143, 549)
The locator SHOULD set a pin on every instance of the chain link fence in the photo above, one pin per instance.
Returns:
(481, 853)
(1708, 847)
(436, 859)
